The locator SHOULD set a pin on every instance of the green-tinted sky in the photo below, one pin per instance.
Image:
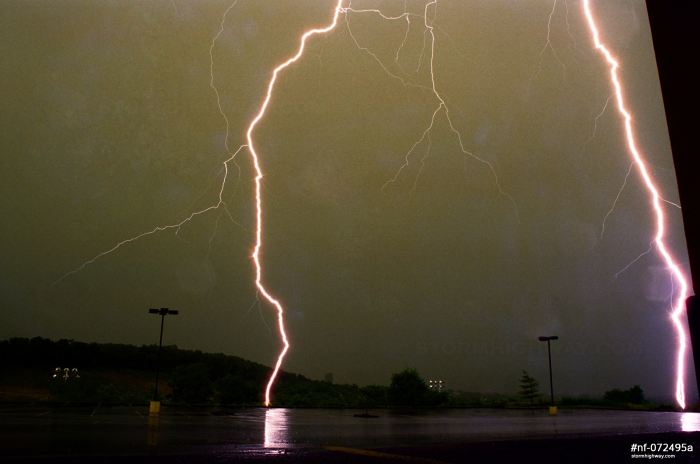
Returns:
(110, 128)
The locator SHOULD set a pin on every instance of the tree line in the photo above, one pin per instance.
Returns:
(118, 373)
(124, 374)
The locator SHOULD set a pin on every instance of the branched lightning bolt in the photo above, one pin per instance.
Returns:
(617, 198)
(413, 147)
(441, 107)
(655, 198)
(573, 43)
(624, 182)
(595, 121)
(374, 56)
(548, 45)
(175, 226)
(631, 263)
(220, 202)
(422, 51)
(211, 78)
(405, 36)
(568, 25)
(422, 164)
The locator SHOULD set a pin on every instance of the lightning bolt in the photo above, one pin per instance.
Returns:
(257, 249)
(655, 200)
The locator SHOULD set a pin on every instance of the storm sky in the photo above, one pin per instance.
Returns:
(110, 127)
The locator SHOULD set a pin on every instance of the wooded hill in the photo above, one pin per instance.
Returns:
(107, 373)
(124, 374)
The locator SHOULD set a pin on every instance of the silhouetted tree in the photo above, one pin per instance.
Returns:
(634, 395)
(529, 388)
(408, 389)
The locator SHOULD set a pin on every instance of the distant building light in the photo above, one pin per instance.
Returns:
(65, 373)
(436, 384)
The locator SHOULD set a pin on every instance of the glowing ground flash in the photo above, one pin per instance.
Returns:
(655, 200)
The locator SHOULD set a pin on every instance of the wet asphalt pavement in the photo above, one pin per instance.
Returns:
(111, 435)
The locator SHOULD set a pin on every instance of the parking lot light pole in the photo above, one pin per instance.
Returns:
(154, 407)
(548, 339)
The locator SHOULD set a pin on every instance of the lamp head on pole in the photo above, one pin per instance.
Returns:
(163, 311)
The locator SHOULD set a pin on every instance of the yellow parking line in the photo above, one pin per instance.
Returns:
(379, 454)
